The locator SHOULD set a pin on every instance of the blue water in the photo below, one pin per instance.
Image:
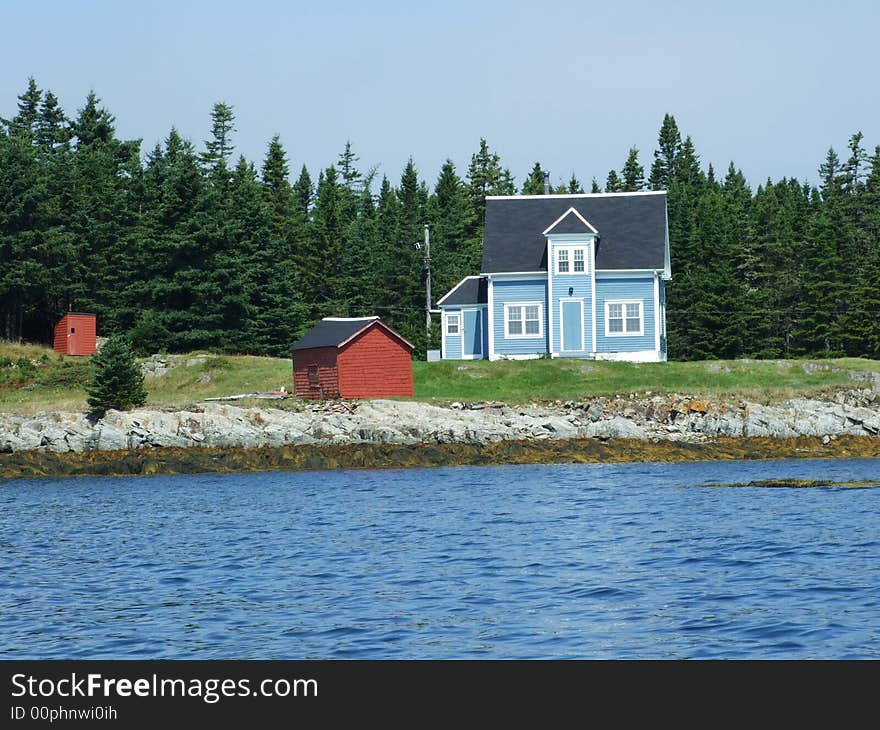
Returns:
(618, 561)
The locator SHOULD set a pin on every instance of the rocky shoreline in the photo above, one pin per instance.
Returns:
(463, 431)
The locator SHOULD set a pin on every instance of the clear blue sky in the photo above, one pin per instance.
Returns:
(767, 84)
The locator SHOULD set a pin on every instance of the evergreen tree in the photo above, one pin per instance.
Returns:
(118, 381)
(613, 183)
(534, 183)
(669, 141)
(574, 186)
(594, 186)
(633, 173)
(219, 148)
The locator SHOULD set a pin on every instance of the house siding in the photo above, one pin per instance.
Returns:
(582, 289)
(640, 288)
(375, 365)
(452, 344)
(511, 292)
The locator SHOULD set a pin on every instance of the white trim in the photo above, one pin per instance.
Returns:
(527, 356)
(610, 273)
(549, 294)
(570, 248)
(490, 289)
(574, 195)
(667, 264)
(564, 216)
(478, 312)
(349, 319)
(517, 275)
(593, 277)
(657, 312)
(635, 356)
(443, 298)
(523, 305)
(446, 316)
(562, 300)
(624, 302)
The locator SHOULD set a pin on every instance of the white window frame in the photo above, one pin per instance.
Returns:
(446, 317)
(570, 249)
(624, 302)
(522, 305)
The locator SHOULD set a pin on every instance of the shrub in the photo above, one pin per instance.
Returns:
(118, 381)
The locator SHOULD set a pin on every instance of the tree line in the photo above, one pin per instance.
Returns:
(188, 248)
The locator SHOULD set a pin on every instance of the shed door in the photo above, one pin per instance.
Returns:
(572, 325)
(472, 335)
(73, 336)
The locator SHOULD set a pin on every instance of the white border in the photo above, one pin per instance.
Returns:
(574, 195)
(524, 336)
(593, 303)
(446, 316)
(564, 216)
(474, 355)
(570, 247)
(641, 303)
(562, 300)
(657, 313)
(455, 288)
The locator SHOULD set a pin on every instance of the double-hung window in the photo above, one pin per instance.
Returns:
(524, 320)
(571, 260)
(624, 318)
(453, 324)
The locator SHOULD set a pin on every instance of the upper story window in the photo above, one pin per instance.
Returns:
(452, 324)
(571, 259)
(524, 320)
(624, 318)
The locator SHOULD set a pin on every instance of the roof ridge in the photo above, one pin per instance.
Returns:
(574, 195)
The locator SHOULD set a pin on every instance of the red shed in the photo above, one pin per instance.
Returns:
(75, 334)
(352, 358)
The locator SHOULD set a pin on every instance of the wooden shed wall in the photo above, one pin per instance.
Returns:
(328, 373)
(81, 342)
(375, 365)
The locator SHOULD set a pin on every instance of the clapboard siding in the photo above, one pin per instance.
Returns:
(637, 288)
(375, 365)
(512, 292)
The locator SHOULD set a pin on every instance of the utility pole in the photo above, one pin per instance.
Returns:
(427, 281)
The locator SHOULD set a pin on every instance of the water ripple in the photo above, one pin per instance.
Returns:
(604, 561)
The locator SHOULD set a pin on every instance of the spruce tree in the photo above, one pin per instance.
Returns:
(534, 183)
(613, 183)
(118, 381)
(633, 173)
(574, 186)
(668, 143)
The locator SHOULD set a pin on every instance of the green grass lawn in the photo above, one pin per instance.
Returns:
(33, 378)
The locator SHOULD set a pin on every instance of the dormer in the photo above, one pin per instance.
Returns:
(570, 239)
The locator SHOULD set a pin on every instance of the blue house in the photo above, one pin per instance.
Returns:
(565, 276)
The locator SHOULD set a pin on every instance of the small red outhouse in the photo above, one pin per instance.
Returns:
(75, 334)
(352, 358)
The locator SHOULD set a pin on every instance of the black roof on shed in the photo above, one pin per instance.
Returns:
(470, 290)
(336, 331)
(631, 226)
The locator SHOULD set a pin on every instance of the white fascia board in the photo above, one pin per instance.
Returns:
(443, 298)
(515, 274)
(575, 195)
(593, 282)
(657, 312)
(624, 273)
(491, 318)
(549, 298)
(564, 216)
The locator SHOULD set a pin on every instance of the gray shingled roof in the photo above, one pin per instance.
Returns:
(471, 290)
(632, 230)
(332, 332)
